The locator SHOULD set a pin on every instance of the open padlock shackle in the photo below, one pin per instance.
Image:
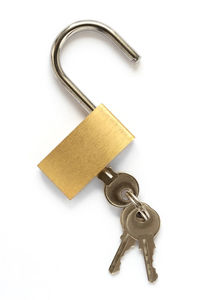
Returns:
(69, 31)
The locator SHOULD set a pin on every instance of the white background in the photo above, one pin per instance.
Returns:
(53, 248)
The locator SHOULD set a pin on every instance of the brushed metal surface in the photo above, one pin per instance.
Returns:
(86, 151)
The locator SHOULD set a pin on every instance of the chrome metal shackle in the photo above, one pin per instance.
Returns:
(69, 31)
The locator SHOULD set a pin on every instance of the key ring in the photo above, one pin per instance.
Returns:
(141, 209)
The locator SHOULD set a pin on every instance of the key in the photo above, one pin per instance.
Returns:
(144, 231)
(117, 185)
(126, 242)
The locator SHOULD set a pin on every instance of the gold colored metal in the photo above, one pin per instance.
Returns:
(86, 151)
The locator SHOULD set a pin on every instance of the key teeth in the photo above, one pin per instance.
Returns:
(151, 274)
(115, 267)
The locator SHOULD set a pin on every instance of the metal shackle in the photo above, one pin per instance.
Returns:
(62, 38)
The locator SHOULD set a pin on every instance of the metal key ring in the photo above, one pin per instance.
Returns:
(69, 31)
(139, 205)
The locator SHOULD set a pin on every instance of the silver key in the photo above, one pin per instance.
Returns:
(144, 231)
(117, 185)
(126, 242)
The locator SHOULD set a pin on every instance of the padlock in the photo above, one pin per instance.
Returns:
(85, 152)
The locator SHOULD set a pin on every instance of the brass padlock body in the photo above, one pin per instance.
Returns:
(86, 151)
